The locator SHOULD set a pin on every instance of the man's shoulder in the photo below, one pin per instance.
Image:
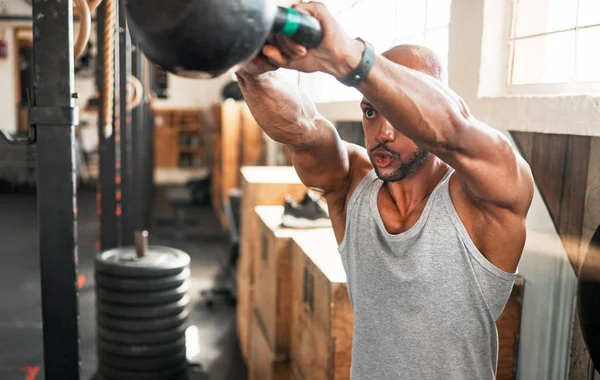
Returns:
(360, 166)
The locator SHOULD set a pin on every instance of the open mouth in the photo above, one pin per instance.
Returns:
(382, 159)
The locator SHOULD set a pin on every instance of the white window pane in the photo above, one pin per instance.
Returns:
(544, 59)
(338, 7)
(372, 20)
(588, 54)
(417, 39)
(438, 13)
(541, 16)
(438, 42)
(589, 12)
(411, 17)
(322, 88)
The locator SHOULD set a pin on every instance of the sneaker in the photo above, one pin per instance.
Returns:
(311, 212)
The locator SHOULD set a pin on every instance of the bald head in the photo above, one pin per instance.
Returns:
(418, 58)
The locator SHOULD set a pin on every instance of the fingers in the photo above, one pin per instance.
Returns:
(316, 9)
(289, 48)
(258, 65)
(275, 56)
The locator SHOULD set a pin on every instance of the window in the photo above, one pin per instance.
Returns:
(384, 23)
(554, 46)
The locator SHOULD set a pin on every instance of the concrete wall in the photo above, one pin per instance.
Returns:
(185, 92)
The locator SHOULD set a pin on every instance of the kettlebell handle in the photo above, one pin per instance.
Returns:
(299, 27)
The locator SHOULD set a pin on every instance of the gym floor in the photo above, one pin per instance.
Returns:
(216, 348)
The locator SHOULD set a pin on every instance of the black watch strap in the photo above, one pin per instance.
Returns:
(358, 75)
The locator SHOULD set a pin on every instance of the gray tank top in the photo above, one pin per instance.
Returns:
(426, 300)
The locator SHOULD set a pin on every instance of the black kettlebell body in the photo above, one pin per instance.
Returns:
(199, 38)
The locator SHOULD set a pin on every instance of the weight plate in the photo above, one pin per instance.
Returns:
(136, 325)
(142, 364)
(159, 261)
(168, 335)
(149, 283)
(144, 350)
(143, 312)
(174, 373)
(142, 298)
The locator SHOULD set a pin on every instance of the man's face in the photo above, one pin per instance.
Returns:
(393, 155)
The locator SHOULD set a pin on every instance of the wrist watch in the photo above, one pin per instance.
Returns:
(359, 74)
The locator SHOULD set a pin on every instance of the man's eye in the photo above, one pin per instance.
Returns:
(369, 113)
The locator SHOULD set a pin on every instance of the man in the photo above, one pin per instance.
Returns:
(430, 217)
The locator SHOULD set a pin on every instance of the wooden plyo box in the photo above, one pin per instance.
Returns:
(273, 277)
(265, 363)
(261, 185)
(245, 301)
(509, 327)
(322, 318)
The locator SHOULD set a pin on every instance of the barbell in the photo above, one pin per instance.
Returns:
(207, 38)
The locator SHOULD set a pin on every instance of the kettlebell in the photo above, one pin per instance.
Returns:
(207, 38)
(589, 299)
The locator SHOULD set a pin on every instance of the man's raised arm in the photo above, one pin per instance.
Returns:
(423, 109)
(288, 116)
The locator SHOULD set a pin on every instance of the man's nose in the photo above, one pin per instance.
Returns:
(385, 133)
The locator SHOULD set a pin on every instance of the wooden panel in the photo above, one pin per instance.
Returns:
(264, 185)
(591, 217)
(265, 364)
(272, 271)
(578, 156)
(245, 301)
(230, 147)
(215, 162)
(560, 167)
(322, 314)
(287, 155)
(342, 324)
(252, 140)
(548, 165)
(165, 147)
(580, 357)
(260, 186)
(570, 220)
(524, 141)
(509, 326)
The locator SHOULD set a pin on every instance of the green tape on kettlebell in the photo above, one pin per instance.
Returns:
(292, 22)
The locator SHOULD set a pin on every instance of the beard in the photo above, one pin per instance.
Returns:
(406, 168)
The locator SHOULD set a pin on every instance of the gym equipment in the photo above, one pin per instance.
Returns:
(207, 38)
(589, 299)
(169, 321)
(158, 262)
(167, 282)
(142, 311)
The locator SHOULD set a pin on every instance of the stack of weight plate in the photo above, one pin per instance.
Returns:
(142, 310)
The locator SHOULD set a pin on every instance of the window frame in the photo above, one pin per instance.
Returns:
(423, 34)
(548, 89)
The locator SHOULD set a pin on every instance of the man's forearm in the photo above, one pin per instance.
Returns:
(280, 108)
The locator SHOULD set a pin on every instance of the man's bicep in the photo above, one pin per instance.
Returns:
(323, 163)
(491, 169)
